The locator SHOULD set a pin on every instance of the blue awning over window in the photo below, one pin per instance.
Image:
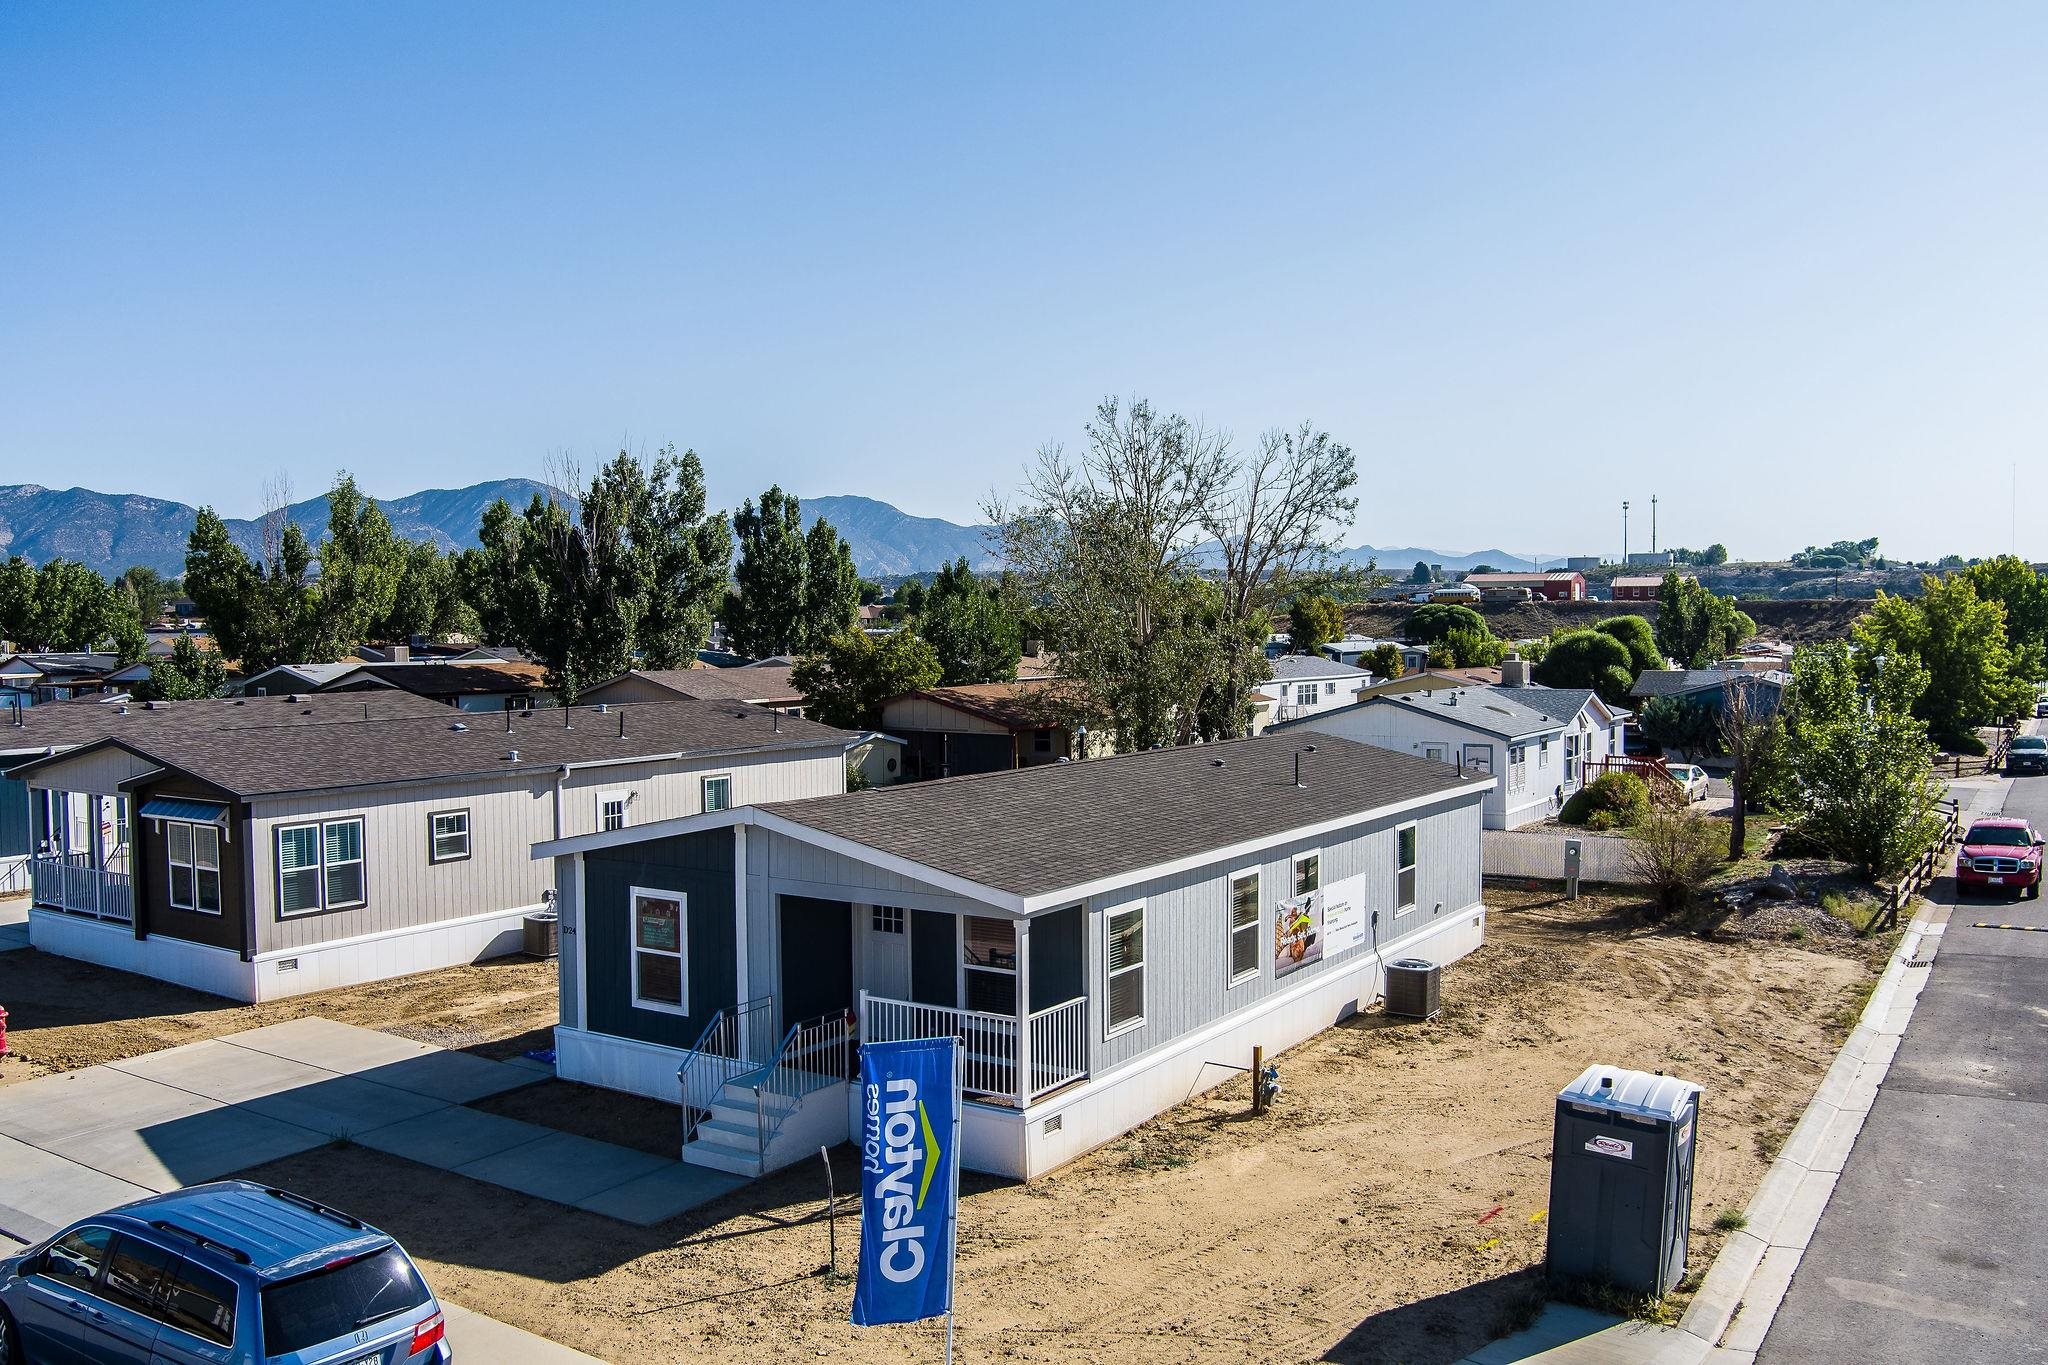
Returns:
(183, 808)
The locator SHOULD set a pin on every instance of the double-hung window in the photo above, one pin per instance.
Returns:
(611, 810)
(661, 946)
(1244, 926)
(1404, 867)
(1125, 961)
(1305, 694)
(717, 793)
(193, 851)
(1308, 873)
(448, 836)
(1571, 759)
(320, 866)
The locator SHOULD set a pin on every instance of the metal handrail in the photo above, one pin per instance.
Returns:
(723, 1040)
(827, 1039)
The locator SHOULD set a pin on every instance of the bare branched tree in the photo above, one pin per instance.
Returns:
(277, 502)
(1742, 722)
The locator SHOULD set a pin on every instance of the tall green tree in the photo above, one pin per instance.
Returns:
(630, 578)
(2012, 583)
(1696, 627)
(1313, 620)
(1105, 546)
(362, 562)
(831, 600)
(1420, 573)
(764, 613)
(1973, 675)
(64, 605)
(1862, 761)
(1384, 662)
(976, 635)
(847, 678)
(1436, 620)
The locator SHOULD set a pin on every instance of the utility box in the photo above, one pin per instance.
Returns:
(543, 933)
(1621, 1179)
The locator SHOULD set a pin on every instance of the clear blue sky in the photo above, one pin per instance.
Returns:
(1784, 265)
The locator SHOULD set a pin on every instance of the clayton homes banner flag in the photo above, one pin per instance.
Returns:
(909, 1102)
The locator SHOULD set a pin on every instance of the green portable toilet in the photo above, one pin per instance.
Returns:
(1621, 1179)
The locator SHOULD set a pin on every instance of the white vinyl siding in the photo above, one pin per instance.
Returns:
(193, 852)
(1244, 926)
(661, 951)
(1124, 967)
(320, 866)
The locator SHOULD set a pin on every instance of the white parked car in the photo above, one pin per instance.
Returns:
(1693, 779)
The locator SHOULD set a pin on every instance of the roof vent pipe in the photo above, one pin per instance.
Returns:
(622, 723)
(601, 709)
(512, 757)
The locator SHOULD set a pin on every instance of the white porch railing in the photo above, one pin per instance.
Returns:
(70, 882)
(1055, 1051)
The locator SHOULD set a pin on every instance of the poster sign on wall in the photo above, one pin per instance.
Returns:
(1297, 933)
(1343, 915)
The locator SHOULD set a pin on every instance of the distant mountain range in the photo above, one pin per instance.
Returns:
(112, 531)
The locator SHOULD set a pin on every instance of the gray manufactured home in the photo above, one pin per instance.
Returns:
(269, 860)
(1107, 937)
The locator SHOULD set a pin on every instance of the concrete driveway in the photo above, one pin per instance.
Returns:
(76, 1143)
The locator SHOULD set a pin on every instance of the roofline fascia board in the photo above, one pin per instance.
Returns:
(1081, 891)
(1551, 728)
(757, 818)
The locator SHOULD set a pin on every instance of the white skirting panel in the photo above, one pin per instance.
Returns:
(402, 952)
(618, 1063)
(214, 970)
(1106, 1107)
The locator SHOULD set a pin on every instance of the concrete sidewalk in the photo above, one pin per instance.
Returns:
(76, 1143)
(13, 923)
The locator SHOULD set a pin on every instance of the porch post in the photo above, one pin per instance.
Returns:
(739, 935)
(1023, 1013)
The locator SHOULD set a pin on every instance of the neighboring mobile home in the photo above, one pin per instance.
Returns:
(987, 727)
(1481, 730)
(757, 685)
(1108, 937)
(1307, 684)
(264, 861)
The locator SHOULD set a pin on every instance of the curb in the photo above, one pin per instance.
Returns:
(1744, 1287)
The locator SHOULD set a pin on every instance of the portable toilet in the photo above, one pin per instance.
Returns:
(1621, 1179)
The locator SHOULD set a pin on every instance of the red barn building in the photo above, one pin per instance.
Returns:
(1555, 586)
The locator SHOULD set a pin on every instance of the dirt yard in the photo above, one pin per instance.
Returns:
(1387, 1210)
(62, 1014)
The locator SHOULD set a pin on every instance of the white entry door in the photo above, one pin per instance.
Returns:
(885, 951)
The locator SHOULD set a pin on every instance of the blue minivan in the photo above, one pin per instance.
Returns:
(224, 1274)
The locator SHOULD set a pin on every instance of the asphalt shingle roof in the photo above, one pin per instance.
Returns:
(268, 760)
(1561, 704)
(1302, 667)
(1678, 682)
(760, 683)
(68, 724)
(445, 678)
(1034, 830)
(1491, 710)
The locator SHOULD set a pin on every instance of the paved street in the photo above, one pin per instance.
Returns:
(1931, 1249)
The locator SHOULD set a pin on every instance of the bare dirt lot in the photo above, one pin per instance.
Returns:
(1388, 1209)
(62, 1014)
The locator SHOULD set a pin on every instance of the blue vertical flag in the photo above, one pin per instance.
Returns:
(909, 1196)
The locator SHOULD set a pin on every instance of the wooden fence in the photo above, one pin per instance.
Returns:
(1539, 853)
(1925, 868)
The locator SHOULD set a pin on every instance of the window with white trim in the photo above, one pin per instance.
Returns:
(448, 836)
(1571, 759)
(1244, 926)
(1404, 867)
(661, 948)
(1518, 767)
(320, 866)
(193, 852)
(1308, 873)
(611, 810)
(1124, 967)
(1304, 694)
(717, 793)
(1479, 758)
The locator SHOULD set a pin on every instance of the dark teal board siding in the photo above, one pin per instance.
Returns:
(13, 817)
(699, 866)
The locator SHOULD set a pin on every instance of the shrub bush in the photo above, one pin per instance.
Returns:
(1609, 801)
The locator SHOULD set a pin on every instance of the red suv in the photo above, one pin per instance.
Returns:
(2005, 854)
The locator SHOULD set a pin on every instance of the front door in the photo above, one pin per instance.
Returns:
(817, 958)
